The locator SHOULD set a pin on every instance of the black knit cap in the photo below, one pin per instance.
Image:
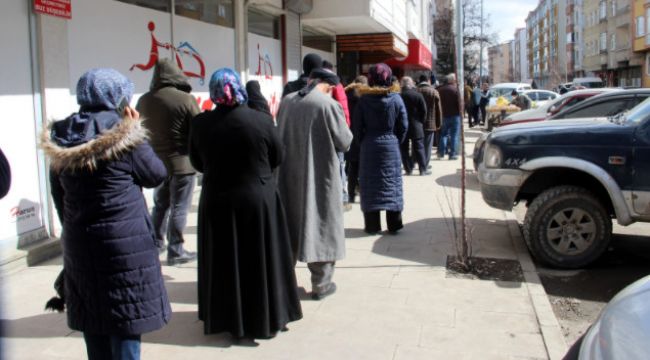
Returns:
(324, 75)
(310, 62)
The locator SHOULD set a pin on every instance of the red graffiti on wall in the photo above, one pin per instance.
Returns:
(184, 48)
(265, 72)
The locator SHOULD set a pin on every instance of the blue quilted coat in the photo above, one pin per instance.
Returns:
(380, 126)
(113, 281)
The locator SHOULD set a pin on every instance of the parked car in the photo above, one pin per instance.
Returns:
(621, 330)
(609, 102)
(574, 176)
(540, 97)
(588, 82)
(552, 107)
(505, 90)
(603, 105)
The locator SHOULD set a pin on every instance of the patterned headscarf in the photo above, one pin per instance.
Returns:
(103, 87)
(226, 88)
(379, 75)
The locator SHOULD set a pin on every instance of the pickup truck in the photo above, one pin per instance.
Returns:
(575, 176)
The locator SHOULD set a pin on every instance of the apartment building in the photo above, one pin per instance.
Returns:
(546, 47)
(520, 58)
(574, 38)
(609, 32)
(499, 63)
(641, 44)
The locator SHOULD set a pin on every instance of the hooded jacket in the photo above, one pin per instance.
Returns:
(113, 280)
(167, 110)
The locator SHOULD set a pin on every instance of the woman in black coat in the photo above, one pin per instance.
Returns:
(247, 285)
(100, 160)
(256, 99)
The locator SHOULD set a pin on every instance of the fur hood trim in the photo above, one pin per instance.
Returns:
(110, 145)
(375, 90)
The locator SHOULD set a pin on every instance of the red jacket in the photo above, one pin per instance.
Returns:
(338, 93)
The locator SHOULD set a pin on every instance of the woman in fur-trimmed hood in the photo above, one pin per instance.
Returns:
(380, 125)
(100, 160)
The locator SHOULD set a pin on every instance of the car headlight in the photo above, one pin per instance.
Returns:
(492, 157)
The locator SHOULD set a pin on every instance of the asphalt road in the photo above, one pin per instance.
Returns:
(578, 296)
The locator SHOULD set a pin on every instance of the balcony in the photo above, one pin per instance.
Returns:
(343, 17)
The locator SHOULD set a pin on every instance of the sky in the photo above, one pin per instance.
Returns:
(508, 15)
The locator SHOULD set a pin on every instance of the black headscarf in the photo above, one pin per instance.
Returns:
(256, 100)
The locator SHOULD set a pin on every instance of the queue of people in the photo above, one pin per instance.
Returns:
(273, 192)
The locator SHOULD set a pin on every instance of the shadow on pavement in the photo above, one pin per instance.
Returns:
(453, 180)
(627, 260)
(429, 242)
(354, 233)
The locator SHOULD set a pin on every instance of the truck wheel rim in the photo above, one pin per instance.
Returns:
(571, 231)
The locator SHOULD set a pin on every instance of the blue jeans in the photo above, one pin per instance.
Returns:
(449, 132)
(107, 347)
(428, 147)
(172, 200)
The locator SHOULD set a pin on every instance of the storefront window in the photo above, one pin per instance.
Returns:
(217, 12)
(315, 40)
(160, 5)
(263, 24)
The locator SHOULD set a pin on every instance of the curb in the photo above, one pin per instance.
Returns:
(556, 346)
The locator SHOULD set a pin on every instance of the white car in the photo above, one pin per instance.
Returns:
(505, 90)
(560, 102)
(540, 97)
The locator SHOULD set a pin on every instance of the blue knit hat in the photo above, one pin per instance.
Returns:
(103, 87)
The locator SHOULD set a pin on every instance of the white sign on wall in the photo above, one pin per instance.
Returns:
(21, 209)
(265, 66)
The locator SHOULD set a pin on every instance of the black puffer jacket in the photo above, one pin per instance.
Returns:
(113, 280)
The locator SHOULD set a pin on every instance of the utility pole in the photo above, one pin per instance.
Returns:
(480, 56)
(464, 251)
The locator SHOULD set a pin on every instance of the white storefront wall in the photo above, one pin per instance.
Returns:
(21, 211)
(101, 33)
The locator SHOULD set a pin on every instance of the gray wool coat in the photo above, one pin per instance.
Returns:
(313, 129)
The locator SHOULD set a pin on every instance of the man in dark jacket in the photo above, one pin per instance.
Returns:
(168, 109)
(416, 109)
(451, 123)
(433, 119)
(309, 63)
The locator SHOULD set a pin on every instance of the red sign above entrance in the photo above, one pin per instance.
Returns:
(59, 8)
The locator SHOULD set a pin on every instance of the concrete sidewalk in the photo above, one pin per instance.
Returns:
(394, 298)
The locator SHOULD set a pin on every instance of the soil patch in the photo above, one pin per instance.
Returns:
(486, 269)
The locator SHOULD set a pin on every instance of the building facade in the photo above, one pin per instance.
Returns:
(499, 63)
(641, 44)
(546, 48)
(520, 57)
(574, 38)
(609, 33)
(366, 32)
(44, 56)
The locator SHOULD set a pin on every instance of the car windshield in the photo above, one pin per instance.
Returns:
(637, 113)
(505, 92)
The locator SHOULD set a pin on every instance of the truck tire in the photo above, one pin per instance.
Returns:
(567, 227)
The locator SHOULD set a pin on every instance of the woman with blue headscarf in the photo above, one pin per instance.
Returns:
(247, 285)
(99, 161)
